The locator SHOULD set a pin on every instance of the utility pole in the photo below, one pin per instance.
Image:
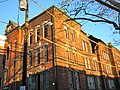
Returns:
(24, 7)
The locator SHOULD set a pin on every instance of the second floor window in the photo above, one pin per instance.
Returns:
(45, 32)
(37, 33)
(66, 32)
(96, 66)
(105, 55)
(87, 63)
(84, 46)
(75, 54)
(73, 35)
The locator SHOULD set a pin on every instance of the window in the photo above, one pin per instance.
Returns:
(99, 83)
(30, 57)
(66, 32)
(38, 33)
(96, 68)
(83, 83)
(105, 55)
(89, 66)
(73, 35)
(33, 82)
(77, 80)
(15, 45)
(46, 52)
(46, 80)
(111, 84)
(31, 38)
(14, 64)
(84, 46)
(108, 69)
(38, 55)
(8, 52)
(68, 54)
(91, 82)
(45, 32)
(87, 63)
(70, 79)
(75, 54)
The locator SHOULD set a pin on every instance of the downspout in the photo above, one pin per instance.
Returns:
(53, 53)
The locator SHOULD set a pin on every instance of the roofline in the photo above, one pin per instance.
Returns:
(53, 6)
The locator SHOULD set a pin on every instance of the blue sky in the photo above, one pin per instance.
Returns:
(9, 10)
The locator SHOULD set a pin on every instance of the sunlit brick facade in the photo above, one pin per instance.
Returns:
(2, 58)
(60, 56)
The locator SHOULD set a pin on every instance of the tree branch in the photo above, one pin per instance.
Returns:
(108, 5)
(106, 21)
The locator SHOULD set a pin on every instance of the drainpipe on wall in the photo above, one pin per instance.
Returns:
(55, 83)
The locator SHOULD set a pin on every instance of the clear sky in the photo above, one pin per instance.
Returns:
(9, 10)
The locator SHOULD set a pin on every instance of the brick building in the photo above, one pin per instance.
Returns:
(60, 56)
(2, 58)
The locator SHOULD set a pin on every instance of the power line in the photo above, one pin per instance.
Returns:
(3, 1)
(3, 22)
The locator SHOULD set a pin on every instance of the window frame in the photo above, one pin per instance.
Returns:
(46, 52)
(66, 32)
(37, 29)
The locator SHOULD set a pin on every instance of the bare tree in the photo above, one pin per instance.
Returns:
(107, 11)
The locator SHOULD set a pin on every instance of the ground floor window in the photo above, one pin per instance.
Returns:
(91, 82)
(99, 84)
(33, 82)
(70, 79)
(111, 84)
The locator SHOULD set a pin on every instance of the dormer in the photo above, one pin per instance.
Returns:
(10, 26)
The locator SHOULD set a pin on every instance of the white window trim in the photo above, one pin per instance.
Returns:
(66, 32)
(36, 29)
(29, 36)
